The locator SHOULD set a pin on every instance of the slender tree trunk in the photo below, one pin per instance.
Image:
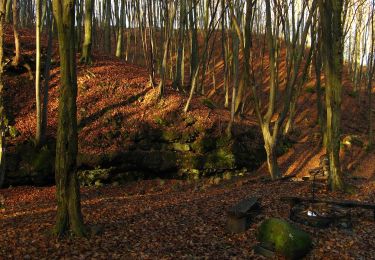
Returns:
(151, 41)
(107, 27)
(38, 134)
(47, 66)
(16, 58)
(79, 22)
(194, 52)
(8, 11)
(3, 120)
(119, 48)
(181, 39)
(86, 47)
(69, 216)
(319, 93)
(170, 12)
(371, 71)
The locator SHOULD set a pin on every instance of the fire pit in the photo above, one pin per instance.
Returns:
(320, 215)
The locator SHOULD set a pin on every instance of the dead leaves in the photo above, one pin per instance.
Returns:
(140, 221)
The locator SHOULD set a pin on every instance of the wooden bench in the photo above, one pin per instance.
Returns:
(239, 215)
(344, 203)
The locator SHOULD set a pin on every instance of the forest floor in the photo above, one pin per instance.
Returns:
(169, 219)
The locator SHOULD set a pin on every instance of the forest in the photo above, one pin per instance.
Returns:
(187, 129)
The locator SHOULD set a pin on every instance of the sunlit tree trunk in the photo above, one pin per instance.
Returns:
(69, 216)
(194, 51)
(86, 47)
(17, 55)
(119, 47)
(38, 134)
(8, 11)
(371, 71)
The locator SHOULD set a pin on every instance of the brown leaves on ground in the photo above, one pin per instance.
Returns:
(170, 219)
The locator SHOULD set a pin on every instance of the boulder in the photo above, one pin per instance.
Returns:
(284, 238)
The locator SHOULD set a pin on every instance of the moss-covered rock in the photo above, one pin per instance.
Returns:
(189, 135)
(30, 165)
(220, 159)
(190, 161)
(285, 238)
(181, 147)
(95, 177)
(204, 144)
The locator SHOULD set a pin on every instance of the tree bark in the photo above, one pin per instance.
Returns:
(3, 120)
(49, 25)
(107, 27)
(69, 216)
(332, 55)
(16, 58)
(38, 134)
(86, 47)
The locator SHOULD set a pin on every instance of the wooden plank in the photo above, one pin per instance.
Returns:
(242, 208)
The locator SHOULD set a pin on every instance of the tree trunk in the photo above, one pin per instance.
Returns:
(8, 12)
(371, 71)
(3, 120)
(86, 47)
(107, 27)
(181, 39)
(194, 52)
(119, 47)
(16, 58)
(49, 24)
(38, 134)
(69, 216)
(332, 55)
(270, 145)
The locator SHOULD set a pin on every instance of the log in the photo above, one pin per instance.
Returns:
(343, 203)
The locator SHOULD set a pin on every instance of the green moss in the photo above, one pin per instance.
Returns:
(160, 121)
(170, 135)
(220, 159)
(181, 147)
(191, 161)
(285, 238)
(190, 120)
(188, 136)
(94, 177)
(204, 144)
